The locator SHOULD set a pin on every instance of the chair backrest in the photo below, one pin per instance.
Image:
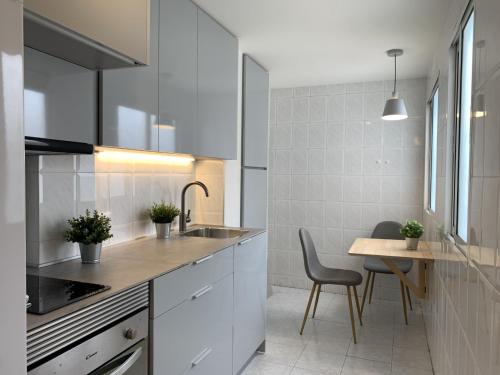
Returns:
(311, 261)
(388, 230)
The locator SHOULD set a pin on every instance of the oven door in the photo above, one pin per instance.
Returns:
(133, 361)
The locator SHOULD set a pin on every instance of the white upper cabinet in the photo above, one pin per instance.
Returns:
(255, 113)
(217, 90)
(177, 76)
(129, 101)
(95, 34)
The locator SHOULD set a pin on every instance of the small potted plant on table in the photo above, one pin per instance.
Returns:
(163, 214)
(412, 231)
(89, 230)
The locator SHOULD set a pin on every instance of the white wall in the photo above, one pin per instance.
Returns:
(12, 233)
(337, 169)
(463, 311)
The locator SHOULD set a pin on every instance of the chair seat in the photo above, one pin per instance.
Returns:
(337, 276)
(375, 264)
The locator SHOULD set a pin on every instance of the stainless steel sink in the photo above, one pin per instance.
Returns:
(215, 233)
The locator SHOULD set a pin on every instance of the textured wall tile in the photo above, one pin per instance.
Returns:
(340, 185)
(300, 110)
(318, 109)
(317, 137)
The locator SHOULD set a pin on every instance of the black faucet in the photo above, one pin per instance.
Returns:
(182, 216)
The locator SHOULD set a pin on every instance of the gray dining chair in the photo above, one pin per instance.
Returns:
(388, 230)
(321, 275)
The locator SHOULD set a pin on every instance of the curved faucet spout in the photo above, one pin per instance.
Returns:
(182, 216)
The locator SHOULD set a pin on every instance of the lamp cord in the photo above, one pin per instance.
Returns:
(394, 91)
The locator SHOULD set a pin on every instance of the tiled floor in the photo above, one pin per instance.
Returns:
(385, 344)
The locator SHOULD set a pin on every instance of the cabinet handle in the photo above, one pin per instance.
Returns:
(244, 241)
(208, 257)
(202, 292)
(200, 357)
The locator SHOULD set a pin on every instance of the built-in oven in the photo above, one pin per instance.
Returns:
(108, 338)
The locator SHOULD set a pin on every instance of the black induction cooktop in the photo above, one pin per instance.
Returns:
(47, 293)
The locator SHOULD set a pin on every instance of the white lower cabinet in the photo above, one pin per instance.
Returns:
(196, 336)
(215, 329)
(250, 295)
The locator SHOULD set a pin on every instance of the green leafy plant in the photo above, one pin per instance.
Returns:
(412, 229)
(90, 228)
(163, 212)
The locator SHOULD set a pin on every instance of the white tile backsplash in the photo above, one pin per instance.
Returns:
(62, 186)
(342, 170)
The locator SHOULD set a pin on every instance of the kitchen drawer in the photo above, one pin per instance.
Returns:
(177, 286)
(196, 336)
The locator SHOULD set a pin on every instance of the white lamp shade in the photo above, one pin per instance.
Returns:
(395, 109)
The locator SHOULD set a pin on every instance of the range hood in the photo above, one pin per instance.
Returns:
(56, 40)
(43, 146)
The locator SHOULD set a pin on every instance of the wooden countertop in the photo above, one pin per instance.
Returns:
(128, 264)
(390, 249)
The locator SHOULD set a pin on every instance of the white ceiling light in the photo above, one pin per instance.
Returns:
(395, 108)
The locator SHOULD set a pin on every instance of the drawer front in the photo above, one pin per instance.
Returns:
(177, 286)
(196, 336)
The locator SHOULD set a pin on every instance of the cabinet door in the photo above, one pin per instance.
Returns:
(254, 198)
(129, 100)
(60, 99)
(255, 113)
(118, 24)
(217, 90)
(250, 289)
(196, 336)
(177, 76)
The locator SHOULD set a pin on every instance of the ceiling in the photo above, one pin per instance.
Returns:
(308, 42)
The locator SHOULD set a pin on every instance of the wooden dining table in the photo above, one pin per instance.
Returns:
(389, 250)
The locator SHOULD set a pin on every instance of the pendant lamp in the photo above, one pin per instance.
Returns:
(395, 108)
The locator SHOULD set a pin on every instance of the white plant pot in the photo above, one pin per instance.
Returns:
(90, 253)
(411, 243)
(163, 230)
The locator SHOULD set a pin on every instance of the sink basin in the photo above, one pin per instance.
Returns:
(215, 233)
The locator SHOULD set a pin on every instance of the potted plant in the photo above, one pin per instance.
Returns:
(412, 231)
(163, 214)
(89, 230)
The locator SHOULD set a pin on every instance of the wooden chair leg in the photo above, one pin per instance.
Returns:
(371, 288)
(409, 298)
(308, 307)
(317, 299)
(404, 301)
(365, 292)
(356, 299)
(351, 314)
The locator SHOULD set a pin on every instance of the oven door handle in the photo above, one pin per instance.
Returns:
(122, 369)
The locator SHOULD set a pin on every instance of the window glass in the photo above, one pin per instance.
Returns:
(463, 152)
(433, 150)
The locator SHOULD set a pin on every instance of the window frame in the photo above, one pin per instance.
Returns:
(432, 126)
(458, 49)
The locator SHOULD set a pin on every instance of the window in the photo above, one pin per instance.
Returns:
(433, 132)
(464, 58)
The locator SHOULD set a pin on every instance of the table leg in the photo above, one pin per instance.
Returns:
(420, 290)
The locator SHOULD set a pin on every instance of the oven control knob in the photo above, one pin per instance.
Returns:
(130, 334)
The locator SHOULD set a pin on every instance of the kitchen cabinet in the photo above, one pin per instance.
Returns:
(59, 99)
(129, 100)
(250, 294)
(209, 317)
(216, 133)
(93, 33)
(192, 317)
(178, 76)
(196, 336)
(255, 113)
